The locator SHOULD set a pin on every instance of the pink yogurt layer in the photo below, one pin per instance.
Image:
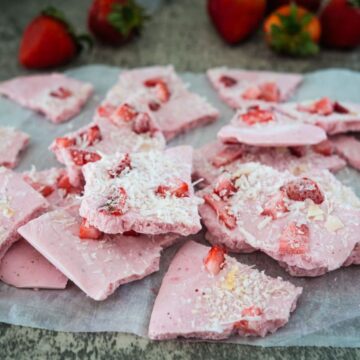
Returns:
(148, 192)
(239, 300)
(24, 267)
(348, 148)
(242, 88)
(56, 96)
(19, 203)
(12, 142)
(307, 235)
(97, 267)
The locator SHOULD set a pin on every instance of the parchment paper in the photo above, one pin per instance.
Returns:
(328, 312)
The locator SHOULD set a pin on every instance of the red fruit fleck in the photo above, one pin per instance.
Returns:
(44, 190)
(325, 148)
(228, 81)
(63, 182)
(227, 155)
(298, 151)
(294, 239)
(152, 82)
(131, 233)
(324, 107)
(269, 91)
(126, 112)
(91, 136)
(142, 124)
(125, 163)
(340, 109)
(61, 93)
(251, 93)
(64, 142)
(220, 207)
(252, 311)
(81, 157)
(275, 206)
(215, 260)
(154, 106)
(105, 110)
(257, 116)
(176, 187)
(162, 92)
(115, 205)
(224, 187)
(244, 325)
(302, 189)
(88, 231)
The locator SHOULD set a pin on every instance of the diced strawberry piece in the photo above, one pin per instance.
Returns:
(294, 239)
(162, 92)
(215, 260)
(244, 325)
(251, 93)
(302, 189)
(275, 206)
(142, 124)
(227, 155)
(252, 311)
(64, 142)
(93, 134)
(152, 82)
(154, 106)
(61, 93)
(324, 106)
(220, 207)
(81, 157)
(131, 233)
(228, 81)
(224, 187)
(88, 231)
(340, 109)
(63, 182)
(256, 115)
(325, 148)
(298, 151)
(126, 112)
(105, 110)
(115, 206)
(44, 190)
(269, 92)
(176, 187)
(124, 164)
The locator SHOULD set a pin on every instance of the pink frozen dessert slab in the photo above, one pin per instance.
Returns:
(214, 158)
(208, 295)
(269, 127)
(242, 88)
(148, 192)
(333, 116)
(309, 224)
(176, 109)
(19, 203)
(56, 96)
(129, 128)
(12, 142)
(24, 267)
(97, 267)
(348, 148)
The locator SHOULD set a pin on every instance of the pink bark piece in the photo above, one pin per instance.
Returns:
(24, 267)
(56, 96)
(239, 300)
(12, 142)
(263, 211)
(151, 194)
(19, 203)
(183, 111)
(282, 130)
(279, 158)
(348, 148)
(97, 267)
(244, 80)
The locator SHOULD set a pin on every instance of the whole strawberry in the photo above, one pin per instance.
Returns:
(115, 22)
(49, 41)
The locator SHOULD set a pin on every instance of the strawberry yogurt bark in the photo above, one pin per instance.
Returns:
(130, 128)
(19, 203)
(24, 267)
(214, 158)
(97, 263)
(149, 192)
(348, 148)
(12, 142)
(265, 126)
(206, 294)
(309, 224)
(56, 96)
(333, 116)
(177, 110)
(242, 88)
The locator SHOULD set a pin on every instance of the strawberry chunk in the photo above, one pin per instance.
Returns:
(64, 142)
(142, 124)
(131, 233)
(154, 106)
(269, 91)
(228, 81)
(176, 187)
(275, 206)
(115, 206)
(294, 239)
(81, 157)
(245, 325)
(152, 82)
(162, 90)
(324, 106)
(215, 260)
(298, 151)
(220, 207)
(126, 112)
(125, 163)
(302, 189)
(88, 231)
(227, 155)
(256, 115)
(224, 187)
(93, 135)
(61, 93)
(105, 110)
(251, 93)
(252, 311)
(325, 148)
(340, 109)
(44, 190)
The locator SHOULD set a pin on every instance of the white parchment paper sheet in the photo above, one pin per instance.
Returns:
(328, 312)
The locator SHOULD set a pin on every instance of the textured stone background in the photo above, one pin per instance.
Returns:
(178, 33)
